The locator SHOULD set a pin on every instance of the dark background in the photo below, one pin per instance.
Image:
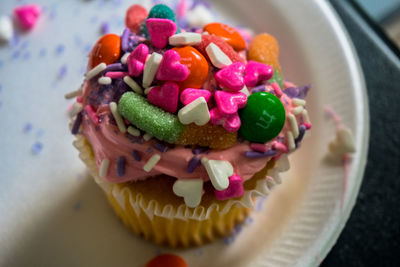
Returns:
(371, 236)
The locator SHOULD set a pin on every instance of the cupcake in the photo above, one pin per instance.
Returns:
(184, 128)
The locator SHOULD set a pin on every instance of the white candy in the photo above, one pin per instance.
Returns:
(6, 29)
(73, 94)
(124, 58)
(190, 189)
(283, 164)
(185, 38)
(290, 141)
(199, 16)
(196, 111)
(305, 116)
(133, 131)
(293, 125)
(76, 108)
(104, 80)
(217, 57)
(117, 117)
(104, 168)
(344, 142)
(151, 68)
(147, 137)
(96, 70)
(219, 172)
(151, 162)
(299, 102)
(297, 110)
(133, 85)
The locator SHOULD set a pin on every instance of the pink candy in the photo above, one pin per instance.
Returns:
(235, 189)
(231, 77)
(229, 102)
(160, 30)
(171, 69)
(189, 95)
(92, 114)
(231, 123)
(27, 15)
(257, 72)
(116, 74)
(137, 59)
(165, 97)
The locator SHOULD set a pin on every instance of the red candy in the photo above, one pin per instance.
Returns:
(226, 48)
(135, 15)
(226, 32)
(167, 260)
(107, 50)
(197, 65)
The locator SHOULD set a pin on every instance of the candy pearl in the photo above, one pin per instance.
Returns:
(197, 65)
(226, 32)
(263, 117)
(107, 49)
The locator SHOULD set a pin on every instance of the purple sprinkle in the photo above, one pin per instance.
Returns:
(42, 52)
(116, 67)
(60, 49)
(37, 147)
(193, 163)
(302, 131)
(199, 150)
(28, 127)
(104, 27)
(297, 92)
(77, 123)
(121, 166)
(149, 150)
(125, 39)
(255, 154)
(62, 72)
(160, 147)
(135, 155)
(260, 88)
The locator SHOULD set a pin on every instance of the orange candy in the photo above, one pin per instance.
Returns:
(265, 49)
(197, 65)
(107, 50)
(167, 260)
(226, 32)
(209, 135)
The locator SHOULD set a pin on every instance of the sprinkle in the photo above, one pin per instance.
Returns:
(133, 85)
(124, 58)
(135, 155)
(218, 58)
(92, 114)
(259, 147)
(297, 110)
(199, 150)
(185, 38)
(147, 90)
(151, 162)
(280, 147)
(104, 80)
(62, 72)
(277, 89)
(116, 67)
(149, 150)
(160, 147)
(104, 168)
(28, 127)
(121, 166)
(73, 94)
(293, 125)
(117, 117)
(302, 131)
(104, 27)
(299, 92)
(193, 163)
(77, 123)
(147, 136)
(299, 102)
(255, 154)
(36, 148)
(125, 39)
(96, 70)
(260, 88)
(290, 140)
(60, 49)
(151, 68)
(133, 131)
(76, 108)
(306, 118)
(116, 74)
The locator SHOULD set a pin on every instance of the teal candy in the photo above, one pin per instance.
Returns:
(277, 78)
(162, 12)
(263, 117)
(149, 118)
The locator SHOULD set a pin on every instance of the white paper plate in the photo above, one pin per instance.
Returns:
(53, 215)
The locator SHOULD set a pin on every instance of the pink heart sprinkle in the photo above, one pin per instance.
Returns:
(231, 77)
(171, 69)
(165, 97)
(27, 15)
(231, 123)
(229, 102)
(160, 30)
(137, 59)
(190, 94)
(235, 189)
(257, 72)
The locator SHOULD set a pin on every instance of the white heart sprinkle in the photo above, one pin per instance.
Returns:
(219, 172)
(185, 38)
(151, 68)
(191, 190)
(6, 29)
(218, 58)
(196, 111)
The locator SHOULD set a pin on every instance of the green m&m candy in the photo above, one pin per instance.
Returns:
(263, 117)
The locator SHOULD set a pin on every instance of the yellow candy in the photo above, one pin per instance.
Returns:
(265, 49)
(209, 135)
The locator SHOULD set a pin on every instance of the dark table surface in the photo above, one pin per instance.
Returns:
(371, 236)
